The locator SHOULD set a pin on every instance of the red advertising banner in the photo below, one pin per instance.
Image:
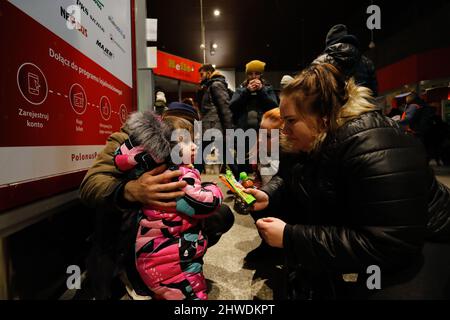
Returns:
(175, 67)
(58, 106)
(429, 65)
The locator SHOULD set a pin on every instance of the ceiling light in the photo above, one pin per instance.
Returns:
(217, 12)
(215, 46)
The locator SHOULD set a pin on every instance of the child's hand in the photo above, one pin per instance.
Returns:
(262, 199)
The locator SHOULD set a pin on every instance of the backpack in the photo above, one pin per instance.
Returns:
(423, 120)
(229, 92)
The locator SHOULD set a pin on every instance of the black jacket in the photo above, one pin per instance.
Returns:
(249, 107)
(342, 52)
(214, 101)
(360, 201)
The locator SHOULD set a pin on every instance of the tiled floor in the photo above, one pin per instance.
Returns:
(224, 263)
(224, 268)
(229, 278)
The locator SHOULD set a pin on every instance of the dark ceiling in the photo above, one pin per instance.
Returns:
(285, 34)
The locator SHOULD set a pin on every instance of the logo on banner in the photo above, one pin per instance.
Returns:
(99, 4)
(111, 37)
(82, 7)
(105, 50)
(32, 83)
(180, 66)
(119, 30)
(105, 108)
(78, 99)
(73, 17)
(123, 114)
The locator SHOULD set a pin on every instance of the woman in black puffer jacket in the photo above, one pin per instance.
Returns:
(354, 196)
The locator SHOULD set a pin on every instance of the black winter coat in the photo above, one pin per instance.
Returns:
(249, 107)
(352, 63)
(215, 104)
(362, 200)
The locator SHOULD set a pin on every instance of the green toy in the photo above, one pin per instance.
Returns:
(229, 180)
(243, 176)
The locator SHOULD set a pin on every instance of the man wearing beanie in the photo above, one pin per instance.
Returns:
(342, 51)
(251, 100)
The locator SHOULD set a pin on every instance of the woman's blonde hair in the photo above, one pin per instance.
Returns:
(322, 90)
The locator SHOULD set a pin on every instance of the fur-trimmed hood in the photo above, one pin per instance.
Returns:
(360, 101)
(148, 130)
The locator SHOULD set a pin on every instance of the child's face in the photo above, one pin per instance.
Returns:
(189, 151)
(269, 125)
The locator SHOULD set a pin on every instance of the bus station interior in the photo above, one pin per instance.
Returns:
(44, 227)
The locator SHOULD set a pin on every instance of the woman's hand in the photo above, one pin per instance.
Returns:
(262, 199)
(155, 188)
(271, 230)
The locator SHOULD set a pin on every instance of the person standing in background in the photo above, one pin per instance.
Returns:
(251, 100)
(214, 105)
(160, 103)
(342, 51)
(214, 100)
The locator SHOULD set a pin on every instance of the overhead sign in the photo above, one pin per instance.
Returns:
(67, 84)
(175, 67)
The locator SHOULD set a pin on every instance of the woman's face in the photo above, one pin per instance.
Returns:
(301, 130)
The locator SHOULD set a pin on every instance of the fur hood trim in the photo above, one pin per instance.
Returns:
(148, 130)
(360, 101)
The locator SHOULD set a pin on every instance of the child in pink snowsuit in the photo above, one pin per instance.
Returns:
(170, 244)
